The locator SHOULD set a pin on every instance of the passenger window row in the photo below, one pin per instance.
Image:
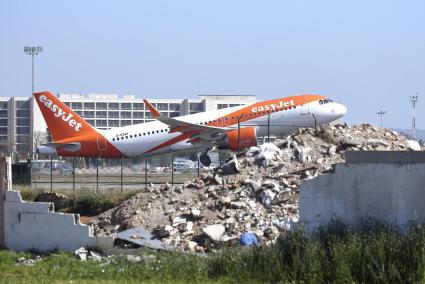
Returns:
(204, 122)
(140, 134)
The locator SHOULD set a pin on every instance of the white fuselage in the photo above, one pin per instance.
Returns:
(135, 140)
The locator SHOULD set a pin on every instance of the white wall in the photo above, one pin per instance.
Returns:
(389, 190)
(34, 225)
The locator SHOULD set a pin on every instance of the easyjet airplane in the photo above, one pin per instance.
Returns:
(73, 136)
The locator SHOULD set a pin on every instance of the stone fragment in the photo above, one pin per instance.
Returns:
(214, 232)
(413, 145)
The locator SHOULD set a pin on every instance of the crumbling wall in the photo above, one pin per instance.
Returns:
(5, 183)
(34, 225)
(386, 186)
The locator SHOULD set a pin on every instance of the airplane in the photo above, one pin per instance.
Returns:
(231, 128)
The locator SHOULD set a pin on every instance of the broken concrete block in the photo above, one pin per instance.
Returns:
(214, 232)
(413, 145)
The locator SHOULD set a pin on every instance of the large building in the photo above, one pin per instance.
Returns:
(22, 127)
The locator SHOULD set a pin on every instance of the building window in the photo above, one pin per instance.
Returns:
(88, 114)
(22, 130)
(114, 114)
(23, 122)
(101, 106)
(3, 113)
(22, 113)
(234, 105)
(3, 122)
(76, 105)
(79, 112)
(100, 114)
(114, 106)
(138, 114)
(23, 104)
(22, 139)
(3, 105)
(90, 121)
(137, 121)
(162, 106)
(221, 106)
(3, 130)
(174, 114)
(126, 106)
(101, 123)
(125, 122)
(125, 114)
(196, 107)
(138, 106)
(88, 105)
(174, 107)
(22, 147)
(68, 104)
(114, 123)
(148, 115)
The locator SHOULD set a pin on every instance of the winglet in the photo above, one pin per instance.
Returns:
(153, 110)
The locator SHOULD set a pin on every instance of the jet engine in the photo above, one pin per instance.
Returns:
(248, 138)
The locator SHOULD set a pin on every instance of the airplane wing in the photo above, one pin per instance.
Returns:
(204, 132)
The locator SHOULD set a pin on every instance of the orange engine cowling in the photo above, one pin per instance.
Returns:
(248, 138)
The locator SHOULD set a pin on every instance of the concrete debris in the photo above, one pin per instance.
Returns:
(81, 253)
(214, 232)
(59, 200)
(28, 261)
(413, 145)
(253, 192)
(143, 238)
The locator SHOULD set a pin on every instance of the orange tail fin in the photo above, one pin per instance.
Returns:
(61, 120)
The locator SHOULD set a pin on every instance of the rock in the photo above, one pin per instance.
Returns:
(231, 167)
(195, 213)
(255, 186)
(134, 259)
(351, 142)
(267, 197)
(81, 253)
(59, 200)
(214, 232)
(413, 145)
(218, 180)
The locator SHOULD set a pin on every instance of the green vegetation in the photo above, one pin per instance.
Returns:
(86, 202)
(376, 254)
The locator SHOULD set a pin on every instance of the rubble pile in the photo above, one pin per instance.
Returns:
(253, 192)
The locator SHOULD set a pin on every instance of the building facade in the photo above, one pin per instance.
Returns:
(22, 126)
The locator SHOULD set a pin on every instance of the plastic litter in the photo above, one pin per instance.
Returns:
(248, 239)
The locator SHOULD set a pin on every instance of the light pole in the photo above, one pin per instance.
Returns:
(32, 50)
(381, 114)
(414, 100)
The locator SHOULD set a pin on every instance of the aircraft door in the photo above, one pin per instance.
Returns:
(304, 110)
(101, 143)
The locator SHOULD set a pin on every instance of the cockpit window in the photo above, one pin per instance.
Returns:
(325, 101)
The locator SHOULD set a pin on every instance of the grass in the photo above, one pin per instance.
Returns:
(86, 203)
(334, 254)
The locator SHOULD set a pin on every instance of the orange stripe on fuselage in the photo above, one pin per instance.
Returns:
(174, 140)
(263, 108)
(247, 114)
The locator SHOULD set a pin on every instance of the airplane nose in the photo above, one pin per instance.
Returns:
(339, 110)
